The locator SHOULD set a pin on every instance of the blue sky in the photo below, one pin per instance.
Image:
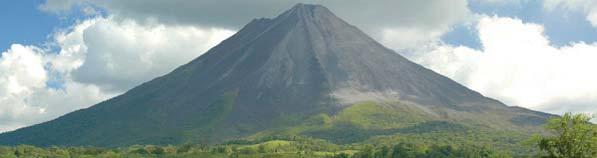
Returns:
(562, 26)
(24, 23)
(74, 53)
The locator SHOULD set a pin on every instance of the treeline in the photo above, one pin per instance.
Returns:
(274, 148)
(406, 150)
(571, 136)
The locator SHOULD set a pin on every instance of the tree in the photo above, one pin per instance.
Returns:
(384, 152)
(228, 151)
(367, 152)
(261, 148)
(185, 148)
(158, 150)
(403, 150)
(574, 137)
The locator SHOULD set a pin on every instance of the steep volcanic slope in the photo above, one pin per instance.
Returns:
(270, 75)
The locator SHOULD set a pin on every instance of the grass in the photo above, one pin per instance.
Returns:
(269, 145)
(374, 115)
(390, 122)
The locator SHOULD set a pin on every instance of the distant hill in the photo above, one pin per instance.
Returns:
(306, 72)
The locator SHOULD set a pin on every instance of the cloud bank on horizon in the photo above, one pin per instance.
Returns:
(120, 44)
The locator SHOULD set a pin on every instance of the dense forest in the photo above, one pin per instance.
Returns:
(271, 147)
(570, 136)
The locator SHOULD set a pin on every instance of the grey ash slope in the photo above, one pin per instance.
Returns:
(304, 62)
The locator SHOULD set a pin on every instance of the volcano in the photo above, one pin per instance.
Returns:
(305, 72)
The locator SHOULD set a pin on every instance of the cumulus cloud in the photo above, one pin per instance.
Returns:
(22, 73)
(98, 58)
(112, 50)
(24, 97)
(518, 65)
(403, 19)
(589, 7)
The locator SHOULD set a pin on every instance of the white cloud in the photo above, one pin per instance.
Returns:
(22, 69)
(589, 7)
(518, 66)
(98, 58)
(24, 97)
(112, 50)
(22, 72)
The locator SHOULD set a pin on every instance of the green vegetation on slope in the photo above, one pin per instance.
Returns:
(203, 128)
(355, 123)
(272, 147)
(390, 122)
(374, 115)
